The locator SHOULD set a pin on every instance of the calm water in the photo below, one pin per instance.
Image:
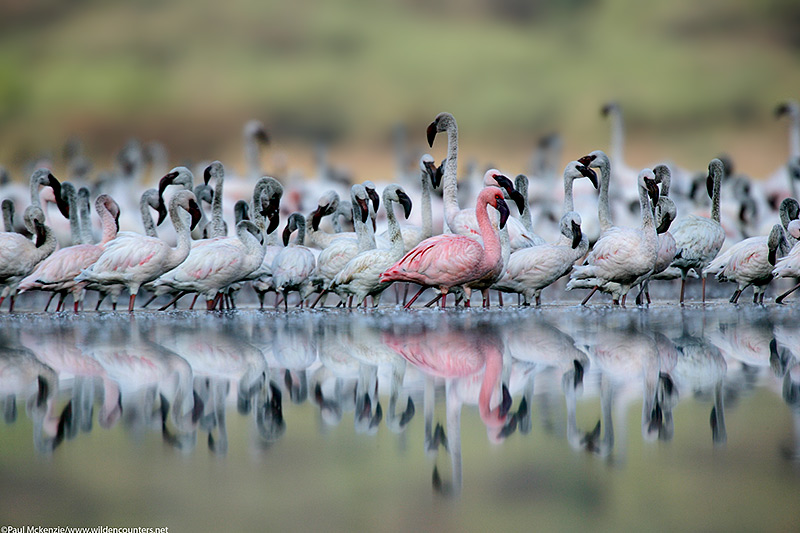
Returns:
(556, 419)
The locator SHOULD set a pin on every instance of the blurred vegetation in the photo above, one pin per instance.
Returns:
(691, 77)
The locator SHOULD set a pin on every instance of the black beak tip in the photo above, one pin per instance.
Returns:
(207, 175)
(431, 133)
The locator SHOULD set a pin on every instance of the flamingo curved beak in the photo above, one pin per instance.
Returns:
(431, 133)
(316, 217)
(63, 205)
(262, 136)
(782, 109)
(502, 207)
(587, 159)
(194, 210)
(163, 183)
(514, 194)
(41, 233)
(431, 170)
(207, 175)
(589, 173)
(652, 190)
(376, 199)
(710, 186)
(405, 201)
(362, 204)
(577, 235)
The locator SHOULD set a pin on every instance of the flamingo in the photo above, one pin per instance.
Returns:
(447, 261)
(8, 215)
(532, 269)
(464, 221)
(19, 256)
(699, 238)
(789, 266)
(133, 259)
(57, 273)
(622, 256)
(292, 266)
(430, 177)
(341, 250)
(210, 268)
(361, 276)
(664, 212)
(750, 262)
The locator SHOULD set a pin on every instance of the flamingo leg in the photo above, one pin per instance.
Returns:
(500, 298)
(191, 307)
(148, 302)
(778, 300)
(321, 294)
(704, 288)
(683, 286)
(286, 300)
(11, 300)
(405, 293)
(586, 300)
(444, 299)
(260, 299)
(174, 300)
(436, 299)
(414, 298)
(131, 302)
(538, 301)
(52, 295)
(1, 300)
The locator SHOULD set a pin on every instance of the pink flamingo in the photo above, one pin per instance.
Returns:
(446, 261)
(132, 259)
(57, 273)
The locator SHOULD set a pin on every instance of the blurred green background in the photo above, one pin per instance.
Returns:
(694, 79)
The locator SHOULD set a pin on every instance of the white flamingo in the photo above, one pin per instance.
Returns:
(623, 256)
(292, 266)
(699, 239)
(211, 268)
(463, 221)
(530, 270)
(19, 255)
(133, 259)
(360, 277)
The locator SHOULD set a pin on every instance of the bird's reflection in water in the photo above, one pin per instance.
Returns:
(470, 361)
(181, 376)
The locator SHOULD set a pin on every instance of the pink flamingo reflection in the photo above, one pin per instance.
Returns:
(471, 363)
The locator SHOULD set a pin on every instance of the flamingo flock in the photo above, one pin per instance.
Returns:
(745, 232)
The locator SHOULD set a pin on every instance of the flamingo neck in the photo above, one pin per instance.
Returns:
(395, 234)
(715, 215)
(147, 219)
(603, 209)
(74, 216)
(569, 203)
(525, 216)
(179, 221)
(491, 242)
(48, 247)
(8, 216)
(217, 221)
(109, 225)
(427, 215)
(648, 223)
(252, 156)
(450, 177)
(85, 220)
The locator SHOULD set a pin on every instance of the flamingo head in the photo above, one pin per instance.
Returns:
(439, 124)
(789, 107)
(587, 159)
(428, 166)
(496, 200)
(214, 170)
(163, 183)
(404, 200)
(107, 202)
(61, 202)
(494, 176)
(609, 108)
(255, 129)
(589, 173)
(648, 180)
(716, 169)
(665, 214)
(373, 195)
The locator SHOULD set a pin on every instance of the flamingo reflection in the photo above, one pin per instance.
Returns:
(471, 362)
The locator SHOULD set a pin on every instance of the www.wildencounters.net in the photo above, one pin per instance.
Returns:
(70, 529)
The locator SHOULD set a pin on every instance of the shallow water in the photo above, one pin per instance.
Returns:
(560, 418)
